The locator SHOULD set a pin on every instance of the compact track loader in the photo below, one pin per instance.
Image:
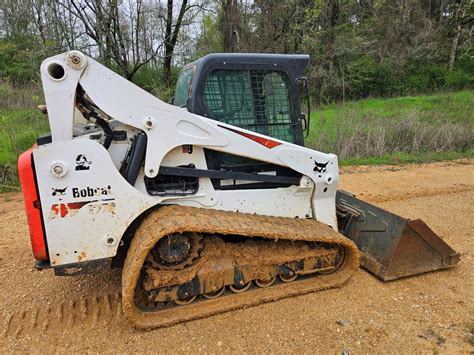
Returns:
(208, 207)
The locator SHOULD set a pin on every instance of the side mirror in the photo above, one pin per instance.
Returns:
(304, 122)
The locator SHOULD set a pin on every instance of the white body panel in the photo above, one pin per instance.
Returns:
(96, 221)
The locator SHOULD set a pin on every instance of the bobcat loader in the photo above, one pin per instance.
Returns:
(204, 212)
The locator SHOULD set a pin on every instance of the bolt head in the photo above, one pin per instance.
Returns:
(58, 170)
(149, 122)
(76, 60)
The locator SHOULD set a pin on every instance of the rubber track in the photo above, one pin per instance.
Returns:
(63, 317)
(176, 219)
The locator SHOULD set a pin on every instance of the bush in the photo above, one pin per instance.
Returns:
(20, 60)
(458, 78)
(150, 78)
(363, 77)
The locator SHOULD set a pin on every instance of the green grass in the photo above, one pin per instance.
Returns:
(408, 158)
(403, 129)
(19, 129)
(447, 105)
(372, 131)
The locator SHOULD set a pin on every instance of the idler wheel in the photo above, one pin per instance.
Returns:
(288, 278)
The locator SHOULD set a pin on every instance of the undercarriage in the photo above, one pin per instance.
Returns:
(186, 263)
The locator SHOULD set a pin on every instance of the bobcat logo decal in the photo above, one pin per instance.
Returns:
(320, 167)
(59, 192)
(82, 163)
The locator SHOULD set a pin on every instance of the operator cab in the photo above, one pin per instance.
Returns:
(258, 92)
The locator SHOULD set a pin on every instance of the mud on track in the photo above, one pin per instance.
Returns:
(428, 313)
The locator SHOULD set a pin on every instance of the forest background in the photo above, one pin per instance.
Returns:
(408, 62)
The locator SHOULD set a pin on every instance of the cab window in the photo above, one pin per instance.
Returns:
(257, 100)
(183, 87)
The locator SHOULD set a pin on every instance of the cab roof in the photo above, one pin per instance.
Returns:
(293, 64)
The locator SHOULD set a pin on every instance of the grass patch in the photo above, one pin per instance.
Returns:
(372, 131)
(18, 131)
(404, 129)
(19, 97)
(408, 158)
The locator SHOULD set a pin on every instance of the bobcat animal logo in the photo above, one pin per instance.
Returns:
(320, 167)
(59, 192)
(82, 163)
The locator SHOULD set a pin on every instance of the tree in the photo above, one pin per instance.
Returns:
(461, 17)
(117, 31)
(171, 36)
(279, 24)
(358, 48)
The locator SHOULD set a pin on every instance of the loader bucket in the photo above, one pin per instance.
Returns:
(392, 247)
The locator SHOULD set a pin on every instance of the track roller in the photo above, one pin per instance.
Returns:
(264, 284)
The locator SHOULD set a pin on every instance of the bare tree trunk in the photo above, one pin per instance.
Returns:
(171, 37)
(462, 18)
(230, 26)
(454, 47)
(169, 26)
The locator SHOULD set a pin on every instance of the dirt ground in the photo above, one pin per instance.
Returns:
(429, 313)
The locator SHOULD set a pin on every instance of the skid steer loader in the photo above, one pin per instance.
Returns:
(209, 207)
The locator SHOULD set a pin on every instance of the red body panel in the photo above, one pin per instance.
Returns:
(260, 140)
(263, 141)
(32, 204)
